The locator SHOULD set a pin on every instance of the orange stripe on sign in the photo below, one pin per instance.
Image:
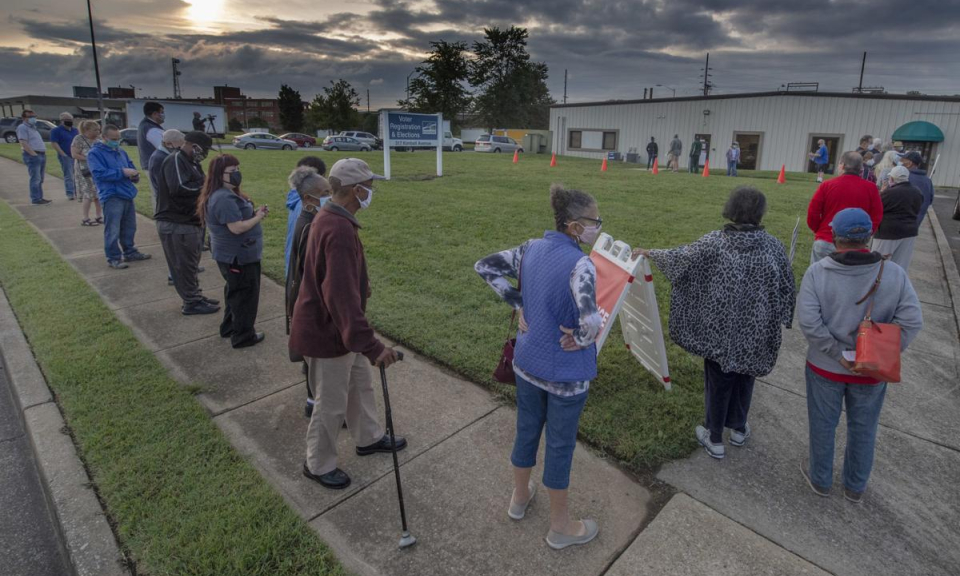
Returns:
(648, 277)
(631, 279)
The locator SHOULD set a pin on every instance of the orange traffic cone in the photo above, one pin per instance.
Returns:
(782, 178)
(706, 169)
(656, 170)
(516, 156)
(553, 160)
(604, 167)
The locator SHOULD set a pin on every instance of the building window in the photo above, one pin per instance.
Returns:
(576, 137)
(609, 140)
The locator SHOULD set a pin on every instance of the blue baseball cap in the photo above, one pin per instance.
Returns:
(852, 223)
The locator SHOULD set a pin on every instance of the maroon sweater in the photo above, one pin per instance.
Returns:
(329, 317)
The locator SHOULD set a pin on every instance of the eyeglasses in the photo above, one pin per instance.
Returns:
(599, 221)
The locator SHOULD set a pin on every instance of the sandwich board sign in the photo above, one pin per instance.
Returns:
(625, 288)
(412, 130)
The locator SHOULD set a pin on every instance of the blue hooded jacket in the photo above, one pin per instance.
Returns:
(107, 166)
(923, 183)
(294, 205)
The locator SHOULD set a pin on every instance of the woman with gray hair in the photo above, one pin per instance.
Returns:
(901, 218)
(86, 190)
(732, 290)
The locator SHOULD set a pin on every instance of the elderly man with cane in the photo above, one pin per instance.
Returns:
(330, 329)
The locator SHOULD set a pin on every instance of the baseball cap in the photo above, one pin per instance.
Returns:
(914, 157)
(352, 171)
(852, 223)
(899, 174)
(201, 139)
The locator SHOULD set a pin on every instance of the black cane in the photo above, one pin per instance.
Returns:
(406, 538)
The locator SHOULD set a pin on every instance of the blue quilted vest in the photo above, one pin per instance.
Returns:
(548, 304)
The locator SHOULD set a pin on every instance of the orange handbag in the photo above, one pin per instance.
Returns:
(878, 345)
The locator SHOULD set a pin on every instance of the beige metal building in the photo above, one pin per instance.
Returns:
(772, 128)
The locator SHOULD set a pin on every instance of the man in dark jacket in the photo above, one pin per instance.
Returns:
(314, 192)
(150, 132)
(695, 150)
(652, 152)
(898, 229)
(179, 227)
(198, 123)
(912, 161)
(330, 329)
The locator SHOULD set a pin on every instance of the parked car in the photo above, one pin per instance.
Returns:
(498, 144)
(302, 140)
(365, 137)
(8, 129)
(128, 136)
(346, 143)
(254, 140)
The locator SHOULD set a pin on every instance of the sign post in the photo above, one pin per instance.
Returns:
(410, 129)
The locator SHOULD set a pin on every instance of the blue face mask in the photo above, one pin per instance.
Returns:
(32, 121)
(113, 144)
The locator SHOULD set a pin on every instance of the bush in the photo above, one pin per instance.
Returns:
(234, 125)
(257, 122)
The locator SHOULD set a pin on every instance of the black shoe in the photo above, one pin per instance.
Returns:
(308, 409)
(257, 338)
(210, 301)
(200, 307)
(336, 479)
(42, 201)
(383, 445)
(136, 257)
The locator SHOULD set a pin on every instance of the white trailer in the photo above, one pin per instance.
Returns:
(179, 115)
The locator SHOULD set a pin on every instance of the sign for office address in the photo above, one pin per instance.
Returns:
(408, 129)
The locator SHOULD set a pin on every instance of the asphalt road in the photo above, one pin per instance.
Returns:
(29, 541)
(943, 203)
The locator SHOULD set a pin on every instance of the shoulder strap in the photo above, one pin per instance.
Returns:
(873, 291)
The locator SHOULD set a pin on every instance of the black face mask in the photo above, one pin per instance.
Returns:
(199, 154)
(236, 178)
(68, 123)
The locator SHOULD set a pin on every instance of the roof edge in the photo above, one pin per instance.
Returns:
(922, 97)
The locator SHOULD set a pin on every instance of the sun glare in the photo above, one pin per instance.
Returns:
(204, 13)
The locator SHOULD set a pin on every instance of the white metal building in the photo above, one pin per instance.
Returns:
(772, 128)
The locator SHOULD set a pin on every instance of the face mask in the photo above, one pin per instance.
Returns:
(198, 153)
(870, 162)
(32, 121)
(366, 203)
(236, 178)
(113, 144)
(68, 123)
(589, 234)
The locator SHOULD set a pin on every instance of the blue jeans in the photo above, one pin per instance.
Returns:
(731, 167)
(66, 163)
(119, 228)
(825, 398)
(36, 167)
(561, 414)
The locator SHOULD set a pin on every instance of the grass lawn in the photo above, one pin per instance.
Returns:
(423, 235)
(181, 499)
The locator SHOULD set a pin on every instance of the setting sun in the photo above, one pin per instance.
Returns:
(203, 13)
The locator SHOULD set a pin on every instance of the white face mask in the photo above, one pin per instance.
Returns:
(589, 234)
(366, 203)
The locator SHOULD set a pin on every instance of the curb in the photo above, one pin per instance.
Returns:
(83, 527)
(949, 265)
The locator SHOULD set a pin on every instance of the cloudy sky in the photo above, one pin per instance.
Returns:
(612, 48)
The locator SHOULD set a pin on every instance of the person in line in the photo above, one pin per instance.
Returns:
(116, 180)
(898, 230)
(673, 157)
(733, 157)
(912, 161)
(170, 142)
(848, 190)
(864, 146)
(293, 201)
(34, 154)
(198, 124)
(61, 138)
(330, 329)
(820, 158)
(867, 171)
(829, 310)
(875, 147)
(86, 190)
(556, 354)
(180, 182)
(236, 242)
(695, 150)
(150, 136)
(732, 291)
(653, 150)
(314, 191)
(882, 168)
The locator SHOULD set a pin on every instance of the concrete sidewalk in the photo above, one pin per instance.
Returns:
(749, 514)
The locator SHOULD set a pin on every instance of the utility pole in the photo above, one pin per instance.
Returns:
(863, 65)
(176, 79)
(96, 66)
(644, 93)
(368, 100)
(564, 85)
(707, 86)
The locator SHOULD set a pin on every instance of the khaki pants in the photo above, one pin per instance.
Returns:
(343, 388)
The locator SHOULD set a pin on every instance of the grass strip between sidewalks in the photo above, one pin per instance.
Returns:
(182, 501)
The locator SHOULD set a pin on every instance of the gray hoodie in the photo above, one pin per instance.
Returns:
(827, 312)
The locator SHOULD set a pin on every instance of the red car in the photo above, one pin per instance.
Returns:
(302, 140)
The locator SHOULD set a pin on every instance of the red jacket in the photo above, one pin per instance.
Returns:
(836, 194)
(329, 317)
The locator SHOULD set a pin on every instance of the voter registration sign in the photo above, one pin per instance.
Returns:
(411, 130)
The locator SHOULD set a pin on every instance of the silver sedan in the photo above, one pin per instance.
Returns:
(345, 143)
(254, 140)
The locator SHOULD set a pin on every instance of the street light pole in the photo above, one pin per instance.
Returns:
(96, 66)
(408, 83)
(674, 90)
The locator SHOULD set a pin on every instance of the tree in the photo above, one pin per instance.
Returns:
(335, 109)
(439, 86)
(513, 90)
(234, 125)
(257, 122)
(291, 109)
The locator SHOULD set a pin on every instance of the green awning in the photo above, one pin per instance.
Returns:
(918, 131)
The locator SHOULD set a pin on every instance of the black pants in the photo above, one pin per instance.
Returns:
(651, 160)
(727, 397)
(241, 295)
(182, 252)
(695, 167)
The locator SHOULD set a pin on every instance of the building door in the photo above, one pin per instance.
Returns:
(706, 147)
(749, 149)
(833, 148)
